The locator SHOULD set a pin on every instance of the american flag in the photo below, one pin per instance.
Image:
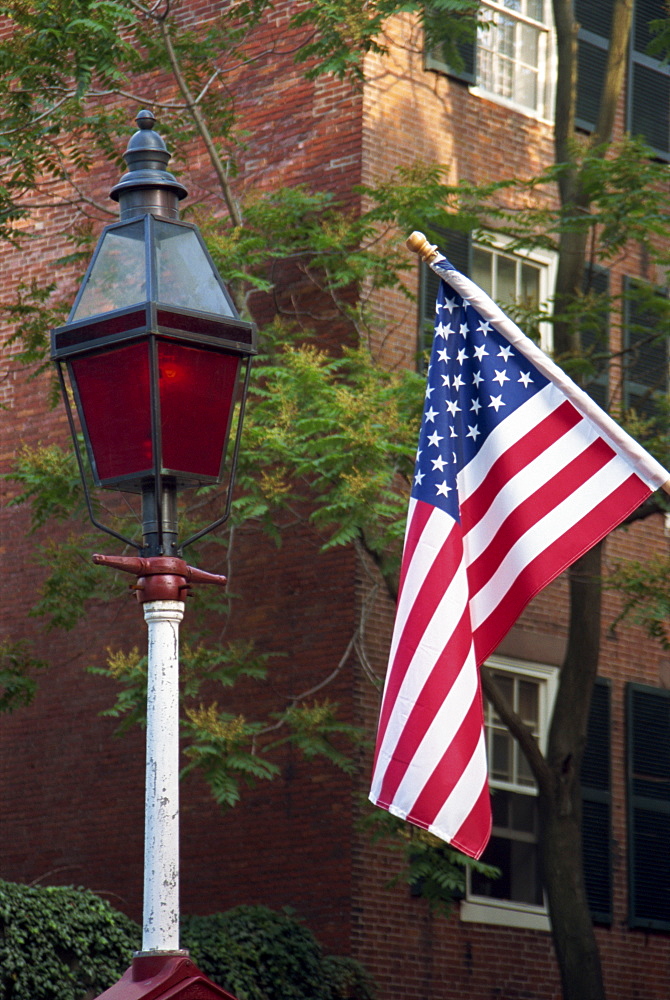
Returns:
(517, 474)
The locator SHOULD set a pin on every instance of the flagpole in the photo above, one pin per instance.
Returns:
(418, 243)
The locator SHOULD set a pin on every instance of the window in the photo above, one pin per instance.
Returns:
(512, 60)
(645, 361)
(516, 899)
(519, 283)
(648, 778)
(648, 88)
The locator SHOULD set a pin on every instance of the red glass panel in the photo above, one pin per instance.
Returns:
(197, 390)
(114, 392)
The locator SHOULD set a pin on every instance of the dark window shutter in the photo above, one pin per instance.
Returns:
(649, 82)
(648, 778)
(595, 21)
(439, 57)
(596, 807)
(595, 337)
(645, 364)
(456, 246)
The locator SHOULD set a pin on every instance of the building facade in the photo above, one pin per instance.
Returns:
(71, 792)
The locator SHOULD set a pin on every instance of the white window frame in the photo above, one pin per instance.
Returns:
(501, 912)
(545, 260)
(546, 60)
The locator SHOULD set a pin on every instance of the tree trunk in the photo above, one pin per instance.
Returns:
(560, 794)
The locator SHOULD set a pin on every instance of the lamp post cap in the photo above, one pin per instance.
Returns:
(147, 184)
(145, 119)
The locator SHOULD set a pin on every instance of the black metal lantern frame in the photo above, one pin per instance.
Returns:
(114, 356)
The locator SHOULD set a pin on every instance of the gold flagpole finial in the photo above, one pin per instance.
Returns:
(418, 243)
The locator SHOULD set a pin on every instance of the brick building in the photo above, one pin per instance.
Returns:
(71, 793)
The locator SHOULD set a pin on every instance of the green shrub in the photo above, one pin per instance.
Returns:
(260, 954)
(60, 943)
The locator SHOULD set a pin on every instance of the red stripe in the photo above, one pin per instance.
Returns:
(473, 835)
(517, 457)
(435, 583)
(535, 507)
(446, 774)
(446, 669)
(549, 563)
(420, 518)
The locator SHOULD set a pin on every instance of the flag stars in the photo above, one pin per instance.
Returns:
(500, 377)
(439, 463)
(419, 477)
(435, 438)
(476, 405)
(484, 327)
(463, 329)
(442, 489)
(449, 305)
(462, 356)
(473, 432)
(443, 356)
(430, 415)
(453, 407)
(477, 379)
(525, 379)
(505, 352)
(481, 352)
(496, 402)
(457, 382)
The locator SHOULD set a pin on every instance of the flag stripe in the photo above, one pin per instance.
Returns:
(438, 685)
(515, 458)
(534, 508)
(432, 569)
(550, 562)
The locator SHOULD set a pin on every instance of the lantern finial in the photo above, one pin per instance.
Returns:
(148, 186)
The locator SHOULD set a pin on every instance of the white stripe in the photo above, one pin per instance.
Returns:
(505, 434)
(435, 533)
(446, 722)
(440, 628)
(464, 795)
(526, 482)
(544, 533)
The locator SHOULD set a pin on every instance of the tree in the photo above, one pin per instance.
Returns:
(598, 211)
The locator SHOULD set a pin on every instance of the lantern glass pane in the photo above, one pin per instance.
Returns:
(118, 276)
(185, 274)
(197, 393)
(114, 394)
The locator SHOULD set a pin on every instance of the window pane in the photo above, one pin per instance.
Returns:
(506, 291)
(529, 703)
(501, 757)
(529, 293)
(481, 269)
(118, 276)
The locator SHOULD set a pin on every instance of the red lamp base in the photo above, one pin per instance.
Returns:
(166, 976)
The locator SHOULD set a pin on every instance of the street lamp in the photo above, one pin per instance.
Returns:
(154, 357)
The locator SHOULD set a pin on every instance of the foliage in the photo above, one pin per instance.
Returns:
(18, 667)
(259, 954)
(645, 591)
(60, 943)
(433, 870)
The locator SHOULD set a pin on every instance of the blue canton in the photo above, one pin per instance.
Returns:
(475, 380)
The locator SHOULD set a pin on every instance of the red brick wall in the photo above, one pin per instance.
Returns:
(72, 794)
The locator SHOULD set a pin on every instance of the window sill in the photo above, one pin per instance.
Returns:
(505, 102)
(503, 914)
